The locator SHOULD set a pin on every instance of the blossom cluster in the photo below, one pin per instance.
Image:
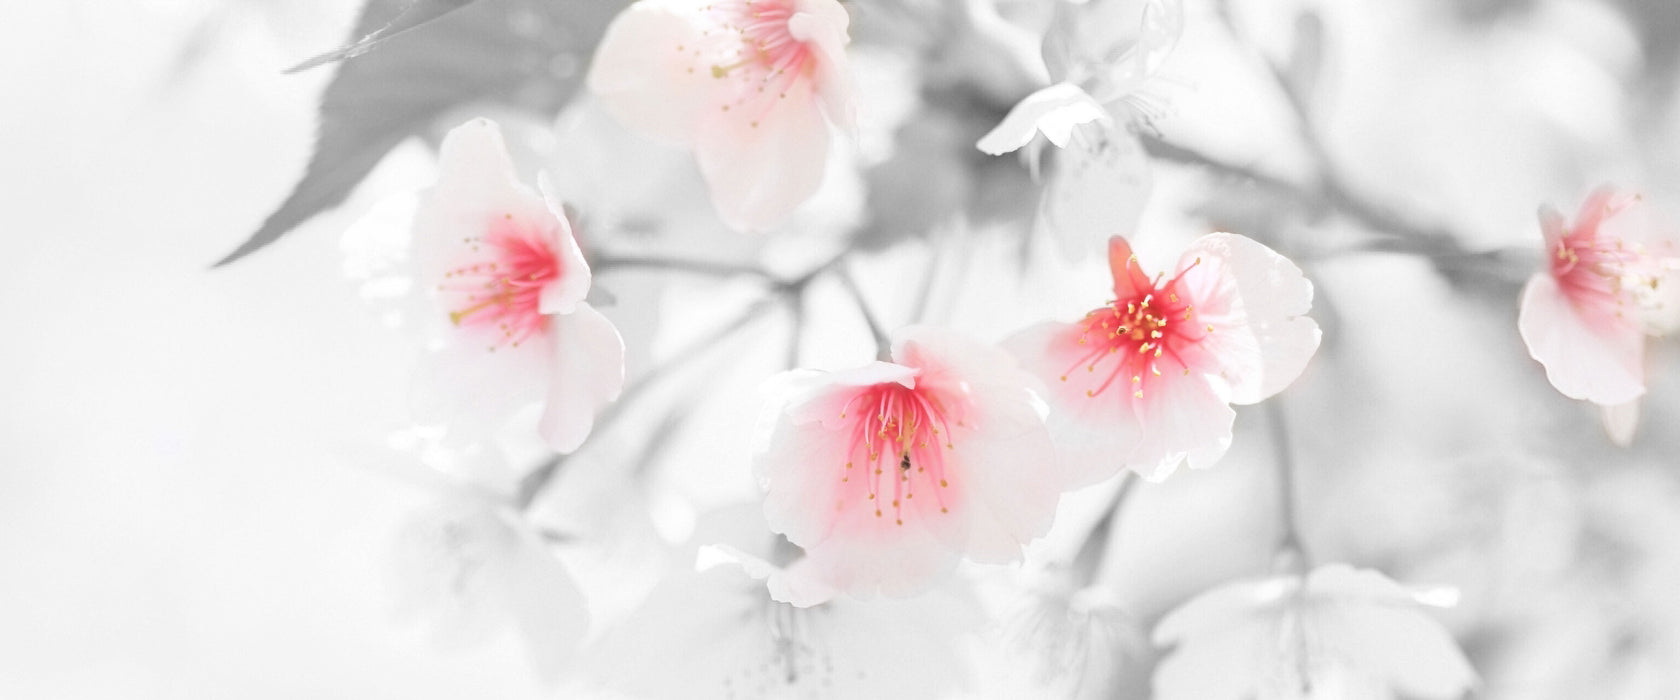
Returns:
(884, 482)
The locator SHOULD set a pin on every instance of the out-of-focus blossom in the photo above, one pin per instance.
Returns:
(470, 565)
(1338, 633)
(888, 473)
(1147, 380)
(1099, 53)
(751, 86)
(1083, 643)
(718, 633)
(1606, 286)
(510, 283)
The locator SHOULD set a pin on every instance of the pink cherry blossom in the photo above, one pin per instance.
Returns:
(887, 474)
(751, 86)
(510, 322)
(1585, 317)
(1146, 380)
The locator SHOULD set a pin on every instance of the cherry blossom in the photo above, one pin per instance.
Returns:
(752, 86)
(1082, 642)
(471, 567)
(1100, 54)
(717, 631)
(1146, 380)
(1337, 633)
(1585, 317)
(510, 324)
(888, 473)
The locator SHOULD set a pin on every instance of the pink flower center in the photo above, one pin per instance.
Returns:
(897, 437)
(761, 56)
(500, 290)
(1595, 273)
(1130, 339)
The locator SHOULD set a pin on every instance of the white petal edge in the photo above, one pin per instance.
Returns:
(1581, 362)
(1273, 298)
(563, 295)
(1054, 110)
(587, 373)
(823, 25)
(1098, 188)
(1621, 421)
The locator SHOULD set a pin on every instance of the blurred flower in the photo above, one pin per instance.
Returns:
(1100, 53)
(843, 457)
(1586, 316)
(472, 567)
(1228, 327)
(750, 85)
(716, 632)
(1338, 633)
(503, 266)
(1084, 644)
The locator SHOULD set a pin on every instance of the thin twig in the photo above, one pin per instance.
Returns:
(1088, 562)
(538, 479)
(924, 294)
(796, 317)
(883, 346)
(698, 267)
(544, 473)
(1289, 542)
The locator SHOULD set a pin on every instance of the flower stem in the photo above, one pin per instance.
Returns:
(1088, 562)
(543, 474)
(1290, 546)
(883, 347)
(698, 267)
(793, 290)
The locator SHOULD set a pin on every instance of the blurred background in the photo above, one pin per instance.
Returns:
(198, 487)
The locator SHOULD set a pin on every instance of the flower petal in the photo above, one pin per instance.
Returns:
(545, 604)
(1376, 624)
(1620, 421)
(588, 372)
(566, 292)
(1221, 638)
(1553, 227)
(1054, 110)
(476, 571)
(1601, 204)
(477, 184)
(1098, 186)
(1601, 362)
(1129, 278)
(760, 163)
(1005, 482)
(822, 25)
(1179, 414)
(1009, 485)
(876, 557)
(796, 588)
(472, 389)
(1092, 434)
(802, 498)
(644, 71)
(1256, 300)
